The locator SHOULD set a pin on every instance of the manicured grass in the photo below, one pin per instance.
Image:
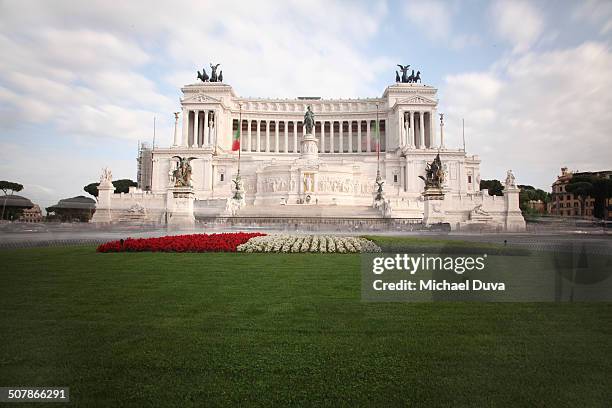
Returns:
(416, 244)
(180, 330)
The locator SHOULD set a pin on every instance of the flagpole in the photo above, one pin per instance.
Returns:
(379, 199)
(239, 137)
(377, 144)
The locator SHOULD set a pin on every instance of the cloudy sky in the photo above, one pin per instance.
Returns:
(80, 81)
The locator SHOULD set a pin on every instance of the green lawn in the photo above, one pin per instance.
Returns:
(180, 330)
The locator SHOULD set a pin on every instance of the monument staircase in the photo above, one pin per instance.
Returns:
(310, 211)
(308, 217)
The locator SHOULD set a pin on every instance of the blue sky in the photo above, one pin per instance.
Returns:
(80, 82)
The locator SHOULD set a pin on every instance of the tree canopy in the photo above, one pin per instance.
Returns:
(530, 193)
(494, 187)
(598, 188)
(11, 186)
(121, 186)
(92, 188)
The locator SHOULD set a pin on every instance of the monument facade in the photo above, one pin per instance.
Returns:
(308, 156)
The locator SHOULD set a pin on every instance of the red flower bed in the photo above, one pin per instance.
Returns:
(181, 243)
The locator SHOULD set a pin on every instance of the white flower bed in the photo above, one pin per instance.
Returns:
(308, 243)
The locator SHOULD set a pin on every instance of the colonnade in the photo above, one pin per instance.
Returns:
(199, 128)
(417, 129)
(334, 136)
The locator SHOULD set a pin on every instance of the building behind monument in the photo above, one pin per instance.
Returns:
(567, 204)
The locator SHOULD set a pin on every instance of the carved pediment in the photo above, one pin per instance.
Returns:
(200, 98)
(417, 100)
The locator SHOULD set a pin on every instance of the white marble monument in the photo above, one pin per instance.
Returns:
(327, 172)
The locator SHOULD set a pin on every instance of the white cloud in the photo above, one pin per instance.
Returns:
(432, 17)
(531, 111)
(435, 19)
(93, 74)
(597, 12)
(461, 41)
(518, 22)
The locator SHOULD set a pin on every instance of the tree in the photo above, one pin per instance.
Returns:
(92, 188)
(581, 187)
(530, 193)
(9, 185)
(596, 187)
(602, 192)
(495, 187)
(121, 186)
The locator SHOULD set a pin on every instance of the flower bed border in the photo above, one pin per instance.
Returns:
(221, 242)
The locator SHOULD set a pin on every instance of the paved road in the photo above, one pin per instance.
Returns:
(34, 235)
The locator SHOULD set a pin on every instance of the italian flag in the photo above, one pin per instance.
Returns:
(236, 141)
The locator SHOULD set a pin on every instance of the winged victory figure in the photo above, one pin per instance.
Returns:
(404, 70)
(182, 173)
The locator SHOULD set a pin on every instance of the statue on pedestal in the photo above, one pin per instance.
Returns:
(510, 180)
(106, 177)
(238, 188)
(237, 201)
(203, 76)
(309, 120)
(182, 174)
(379, 189)
(407, 79)
(434, 174)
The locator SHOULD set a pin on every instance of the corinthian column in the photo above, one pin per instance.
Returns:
(276, 138)
(411, 133)
(422, 130)
(295, 137)
(331, 136)
(205, 131)
(267, 135)
(196, 127)
(185, 127)
(368, 137)
(286, 125)
(350, 136)
(406, 127)
(322, 146)
(258, 135)
(400, 130)
(249, 135)
(341, 137)
(432, 129)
